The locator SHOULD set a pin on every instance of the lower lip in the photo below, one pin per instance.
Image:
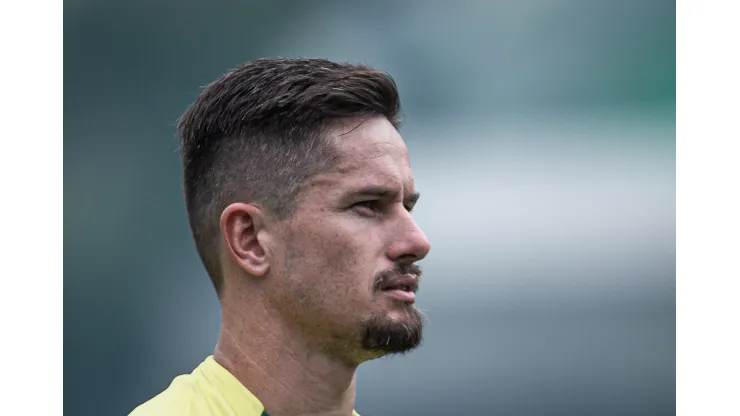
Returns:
(401, 295)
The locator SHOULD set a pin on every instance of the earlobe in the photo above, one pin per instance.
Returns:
(241, 225)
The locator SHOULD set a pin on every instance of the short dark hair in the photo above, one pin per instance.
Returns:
(258, 133)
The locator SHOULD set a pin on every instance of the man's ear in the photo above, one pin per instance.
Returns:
(241, 225)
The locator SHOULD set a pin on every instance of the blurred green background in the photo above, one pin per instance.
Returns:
(542, 136)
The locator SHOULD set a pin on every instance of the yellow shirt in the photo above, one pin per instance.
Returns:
(210, 390)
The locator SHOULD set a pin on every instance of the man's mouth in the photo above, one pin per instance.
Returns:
(400, 294)
(402, 288)
(405, 288)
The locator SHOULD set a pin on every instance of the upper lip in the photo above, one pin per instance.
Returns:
(410, 280)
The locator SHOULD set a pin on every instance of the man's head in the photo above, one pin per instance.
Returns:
(298, 184)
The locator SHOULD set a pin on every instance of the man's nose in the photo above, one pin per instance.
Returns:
(408, 241)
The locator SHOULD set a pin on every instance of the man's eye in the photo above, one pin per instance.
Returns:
(371, 207)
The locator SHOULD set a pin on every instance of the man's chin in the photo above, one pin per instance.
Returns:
(396, 332)
(403, 313)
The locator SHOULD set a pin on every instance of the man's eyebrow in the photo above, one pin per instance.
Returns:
(380, 191)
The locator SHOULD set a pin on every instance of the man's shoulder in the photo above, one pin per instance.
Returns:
(185, 396)
(180, 397)
(210, 390)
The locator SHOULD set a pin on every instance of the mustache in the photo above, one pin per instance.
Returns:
(399, 269)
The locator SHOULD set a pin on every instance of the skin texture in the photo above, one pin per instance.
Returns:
(301, 301)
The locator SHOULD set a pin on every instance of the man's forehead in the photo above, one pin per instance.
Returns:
(369, 141)
(367, 138)
(369, 151)
(382, 159)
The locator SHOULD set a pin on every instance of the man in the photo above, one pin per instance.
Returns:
(299, 191)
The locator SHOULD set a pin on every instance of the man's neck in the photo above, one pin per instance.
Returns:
(289, 377)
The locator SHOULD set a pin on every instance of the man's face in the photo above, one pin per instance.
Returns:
(345, 261)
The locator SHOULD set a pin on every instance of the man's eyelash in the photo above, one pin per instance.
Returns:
(365, 203)
(373, 205)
